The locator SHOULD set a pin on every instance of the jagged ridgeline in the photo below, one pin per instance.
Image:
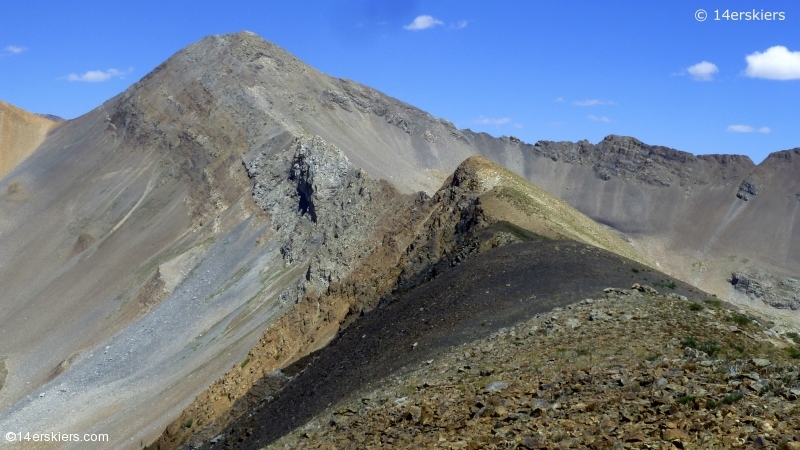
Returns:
(237, 208)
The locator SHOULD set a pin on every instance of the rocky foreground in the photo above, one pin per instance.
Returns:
(636, 369)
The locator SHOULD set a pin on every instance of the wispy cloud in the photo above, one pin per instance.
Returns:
(459, 25)
(598, 118)
(12, 50)
(489, 121)
(559, 100)
(747, 129)
(96, 76)
(703, 71)
(592, 102)
(777, 63)
(423, 23)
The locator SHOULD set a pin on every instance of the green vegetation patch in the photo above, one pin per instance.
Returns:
(710, 348)
(732, 398)
(740, 319)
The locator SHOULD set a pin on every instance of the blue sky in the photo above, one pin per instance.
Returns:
(539, 70)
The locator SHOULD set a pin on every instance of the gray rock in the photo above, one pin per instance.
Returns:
(761, 362)
(749, 188)
(496, 386)
(599, 315)
(401, 401)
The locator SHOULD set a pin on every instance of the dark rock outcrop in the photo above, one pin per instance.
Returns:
(775, 291)
(749, 187)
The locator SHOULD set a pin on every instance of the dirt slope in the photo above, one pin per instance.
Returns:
(21, 133)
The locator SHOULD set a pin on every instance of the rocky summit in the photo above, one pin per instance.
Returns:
(240, 251)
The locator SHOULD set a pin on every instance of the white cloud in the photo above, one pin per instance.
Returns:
(598, 119)
(559, 100)
(747, 129)
(459, 25)
(14, 49)
(777, 63)
(703, 71)
(95, 76)
(489, 121)
(423, 22)
(591, 102)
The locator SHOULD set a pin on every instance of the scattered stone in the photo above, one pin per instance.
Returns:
(496, 386)
(401, 401)
(761, 362)
(596, 391)
(599, 315)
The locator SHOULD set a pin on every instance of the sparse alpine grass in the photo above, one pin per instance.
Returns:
(710, 348)
(740, 319)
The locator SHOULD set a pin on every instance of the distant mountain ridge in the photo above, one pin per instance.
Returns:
(21, 133)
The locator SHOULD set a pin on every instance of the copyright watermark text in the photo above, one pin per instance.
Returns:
(753, 15)
(26, 436)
